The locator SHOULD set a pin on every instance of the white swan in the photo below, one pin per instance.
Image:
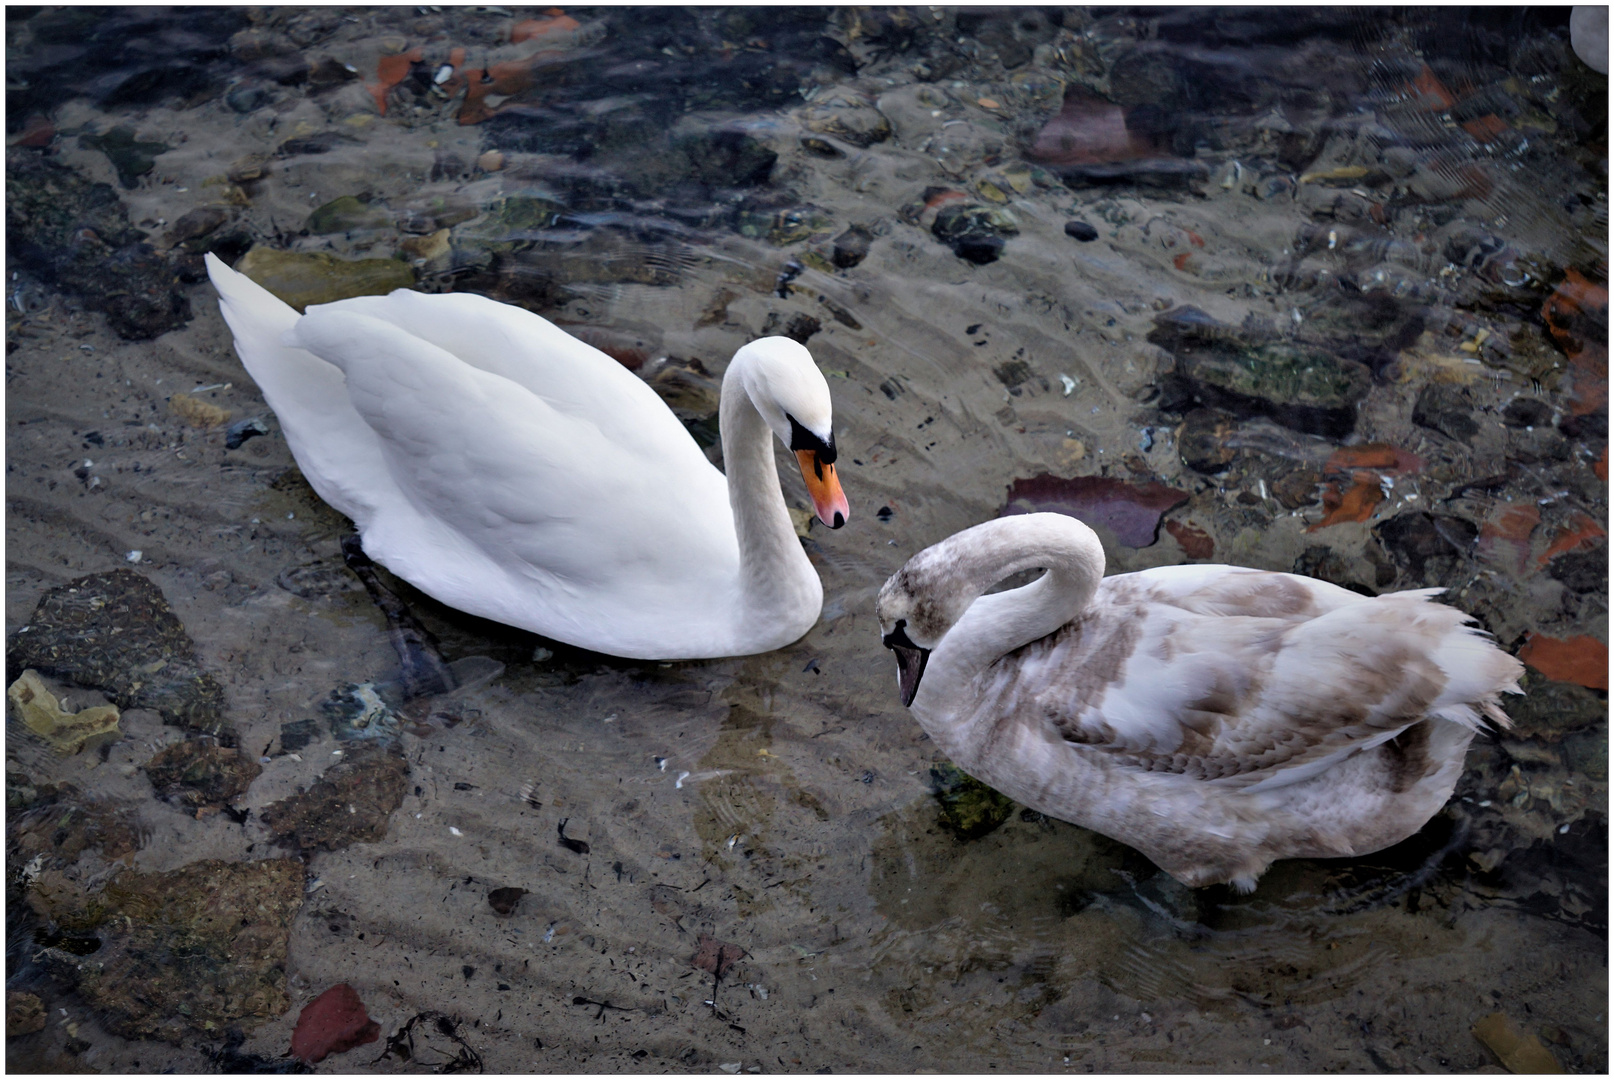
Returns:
(509, 470)
(1213, 717)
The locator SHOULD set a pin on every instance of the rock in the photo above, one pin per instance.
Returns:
(975, 233)
(248, 97)
(848, 116)
(504, 900)
(799, 327)
(851, 247)
(432, 213)
(1581, 659)
(328, 72)
(196, 412)
(715, 956)
(347, 214)
(351, 803)
(1297, 488)
(304, 278)
(1195, 542)
(491, 161)
(1081, 230)
(59, 823)
(130, 156)
(1415, 538)
(188, 952)
(25, 1014)
(76, 236)
(242, 430)
(1519, 1051)
(1248, 371)
(332, 1023)
(1326, 564)
(1582, 571)
(1202, 441)
(195, 224)
(1169, 173)
(68, 733)
(969, 808)
(197, 774)
(1445, 409)
(1550, 709)
(116, 633)
(1129, 512)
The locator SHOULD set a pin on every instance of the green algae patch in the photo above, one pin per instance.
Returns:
(969, 808)
(303, 278)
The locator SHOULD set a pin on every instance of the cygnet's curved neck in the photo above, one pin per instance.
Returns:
(776, 575)
(987, 627)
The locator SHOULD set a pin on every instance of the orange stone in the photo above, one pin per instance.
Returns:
(1577, 534)
(1195, 542)
(554, 23)
(1581, 659)
(1355, 504)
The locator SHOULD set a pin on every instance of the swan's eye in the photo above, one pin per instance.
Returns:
(802, 439)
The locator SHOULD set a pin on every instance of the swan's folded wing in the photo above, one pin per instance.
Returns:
(1251, 700)
(528, 482)
(572, 377)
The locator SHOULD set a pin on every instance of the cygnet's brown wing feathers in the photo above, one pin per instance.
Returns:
(1248, 678)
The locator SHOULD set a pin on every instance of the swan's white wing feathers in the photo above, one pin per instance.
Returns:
(570, 375)
(528, 480)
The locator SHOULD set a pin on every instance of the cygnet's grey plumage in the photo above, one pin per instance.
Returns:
(1214, 717)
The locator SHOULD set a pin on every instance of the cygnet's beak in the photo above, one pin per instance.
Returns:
(825, 488)
(911, 661)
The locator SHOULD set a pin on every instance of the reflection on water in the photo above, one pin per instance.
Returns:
(1307, 289)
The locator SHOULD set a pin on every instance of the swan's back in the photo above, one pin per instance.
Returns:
(1249, 678)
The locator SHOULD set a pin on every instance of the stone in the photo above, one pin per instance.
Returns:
(975, 233)
(1081, 230)
(186, 953)
(846, 115)
(969, 809)
(76, 236)
(131, 157)
(198, 413)
(1445, 409)
(1414, 538)
(1582, 571)
(116, 633)
(68, 733)
(196, 773)
(1249, 371)
(1202, 441)
(195, 224)
(58, 822)
(332, 1023)
(314, 277)
(504, 900)
(351, 803)
(798, 328)
(1129, 512)
(851, 247)
(347, 214)
(25, 1014)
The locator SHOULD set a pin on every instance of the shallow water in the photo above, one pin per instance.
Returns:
(1416, 202)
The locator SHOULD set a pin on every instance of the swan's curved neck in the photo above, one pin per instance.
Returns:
(990, 626)
(775, 573)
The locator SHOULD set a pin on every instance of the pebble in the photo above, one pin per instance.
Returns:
(1081, 230)
(492, 161)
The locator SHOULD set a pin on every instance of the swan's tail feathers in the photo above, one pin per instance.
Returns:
(252, 311)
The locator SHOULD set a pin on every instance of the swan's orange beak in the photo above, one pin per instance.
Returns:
(828, 498)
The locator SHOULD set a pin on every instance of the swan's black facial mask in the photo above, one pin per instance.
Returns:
(911, 661)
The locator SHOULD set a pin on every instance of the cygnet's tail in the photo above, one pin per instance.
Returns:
(1477, 672)
(335, 449)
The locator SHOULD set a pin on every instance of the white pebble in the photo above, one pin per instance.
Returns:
(455, 831)
(134, 556)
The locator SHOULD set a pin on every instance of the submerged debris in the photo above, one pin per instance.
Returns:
(715, 956)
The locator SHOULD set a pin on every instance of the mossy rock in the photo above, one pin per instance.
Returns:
(303, 278)
(969, 808)
(347, 214)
